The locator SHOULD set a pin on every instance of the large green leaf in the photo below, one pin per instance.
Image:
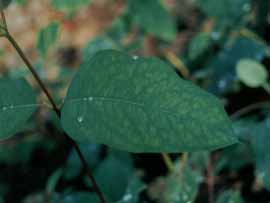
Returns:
(141, 105)
(17, 104)
(153, 17)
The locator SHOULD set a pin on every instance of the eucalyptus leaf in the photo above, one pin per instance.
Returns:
(141, 105)
(92, 155)
(96, 45)
(251, 73)
(226, 12)
(47, 37)
(113, 176)
(69, 6)
(153, 17)
(260, 140)
(182, 188)
(53, 181)
(134, 188)
(199, 44)
(17, 104)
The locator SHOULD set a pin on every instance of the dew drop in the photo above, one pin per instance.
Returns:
(90, 98)
(4, 108)
(11, 107)
(85, 99)
(135, 57)
(127, 197)
(80, 119)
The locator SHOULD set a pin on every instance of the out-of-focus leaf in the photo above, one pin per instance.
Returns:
(199, 44)
(96, 45)
(256, 135)
(113, 176)
(134, 188)
(234, 158)
(223, 65)
(230, 196)
(227, 12)
(78, 197)
(260, 142)
(153, 17)
(92, 155)
(251, 73)
(4, 4)
(17, 104)
(182, 188)
(70, 6)
(21, 2)
(53, 180)
(157, 111)
(199, 160)
(21, 152)
(47, 37)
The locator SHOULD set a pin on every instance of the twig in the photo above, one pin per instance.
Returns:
(184, 160)
(168, 161)
(177, 62)
(4, 19)
(55, 107)
(210, 181)
(248, 109)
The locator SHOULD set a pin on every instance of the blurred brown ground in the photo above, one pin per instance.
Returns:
(25, 22)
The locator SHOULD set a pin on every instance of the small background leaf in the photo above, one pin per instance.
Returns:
(146, 12)
(156, 111)
(251, 73)
(70, 6)
(47, 38)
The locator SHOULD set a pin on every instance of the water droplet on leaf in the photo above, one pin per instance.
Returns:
(80, 119)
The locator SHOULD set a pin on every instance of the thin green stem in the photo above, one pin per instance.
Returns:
(55, 107)
(184, 161)
(168, 161)
(34, 73)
